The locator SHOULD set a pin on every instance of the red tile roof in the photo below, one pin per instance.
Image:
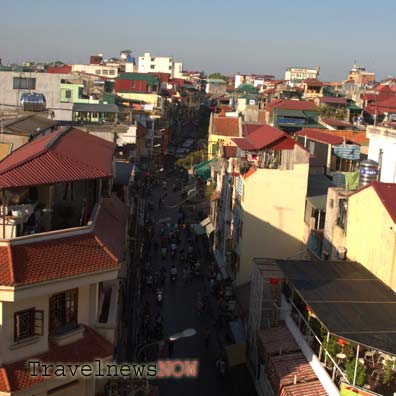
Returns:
(334, 122)
(387, 194)
(265, 136)
(226, 126)
(312, 388)
(230, 151)
(284, 369)
(286, 104)
(384, 106)
(16, 376)
(249, 128)
(61, 156)
(101, 249)
(358, 137)
(322, 137)
(313, 82)
(333, 100)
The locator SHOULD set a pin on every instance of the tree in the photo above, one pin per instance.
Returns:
(191, 159)
(218, 76)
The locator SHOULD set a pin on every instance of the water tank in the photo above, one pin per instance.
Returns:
(33, 101)
(131, 59)
(368, 172)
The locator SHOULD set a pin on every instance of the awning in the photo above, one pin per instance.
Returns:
(347, 151)
(318, 202)
(236, 354)
(207, 225)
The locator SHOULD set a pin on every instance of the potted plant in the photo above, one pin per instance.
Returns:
(360, 372)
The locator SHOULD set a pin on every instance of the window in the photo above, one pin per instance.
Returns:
(23, 83)
(342, 215)
(63, 311)
(152, 67)
(112, 72)
(97, 71)
(105, 72)
(152, 59)
(170, 67)
(68, 94)
(28, 323)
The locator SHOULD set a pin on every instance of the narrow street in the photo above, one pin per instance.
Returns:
(178, 309)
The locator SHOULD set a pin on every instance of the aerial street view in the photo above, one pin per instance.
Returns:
(197, 198)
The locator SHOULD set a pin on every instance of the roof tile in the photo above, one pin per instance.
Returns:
(323, 137)
(66, 155)
(226, 126)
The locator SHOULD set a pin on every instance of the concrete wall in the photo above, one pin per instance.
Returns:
(371, 236)
(46, 83)
(388, 146)
(110, 71)
(10, 352)
(273, 207)
(147, 98)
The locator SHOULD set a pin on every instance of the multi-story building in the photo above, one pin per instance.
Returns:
(63, 238)
(222, 129)
(299, 74)
(360, 76)
(14, 84)
(159, 64)
(261, 216)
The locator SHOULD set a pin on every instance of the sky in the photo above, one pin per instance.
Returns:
(228, 36)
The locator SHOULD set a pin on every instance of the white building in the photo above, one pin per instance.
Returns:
(159, 64)
(109, 70)
(382, 148)
(298, 74)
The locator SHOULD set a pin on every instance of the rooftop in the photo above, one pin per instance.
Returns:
(150, 79)
(99, 247)
(322, 137)
(226, 126)
(348, 299)
(62, 156)
(333, 100)
(286, 104)
(28, 125)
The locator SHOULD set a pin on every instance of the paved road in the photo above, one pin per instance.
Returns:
(179, 312)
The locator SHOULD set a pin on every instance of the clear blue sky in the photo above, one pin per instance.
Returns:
(250, 36)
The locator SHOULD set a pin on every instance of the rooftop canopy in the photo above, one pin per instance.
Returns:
(349, 301)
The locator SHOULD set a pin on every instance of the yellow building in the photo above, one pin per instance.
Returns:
(371, 230)
(224, 129)
(269, 198)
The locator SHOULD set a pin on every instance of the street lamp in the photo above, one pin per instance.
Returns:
(177, 336)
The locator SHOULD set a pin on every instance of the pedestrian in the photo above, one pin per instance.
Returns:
(206, 336)
(171, 346)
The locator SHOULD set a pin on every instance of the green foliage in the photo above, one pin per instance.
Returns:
(332, 347)
(389, 374)
(360, 372)
(191, 159)
(333, 112)
(219, 76)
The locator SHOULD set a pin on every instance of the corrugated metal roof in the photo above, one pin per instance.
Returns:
(96, 107)
(62, 156)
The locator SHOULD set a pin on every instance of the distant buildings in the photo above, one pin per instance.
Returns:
(159, 64)
(299, 74)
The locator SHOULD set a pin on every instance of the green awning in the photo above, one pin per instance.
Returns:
(203, 169)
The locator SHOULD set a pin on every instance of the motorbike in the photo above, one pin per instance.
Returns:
(159, 296)
(173, 274)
